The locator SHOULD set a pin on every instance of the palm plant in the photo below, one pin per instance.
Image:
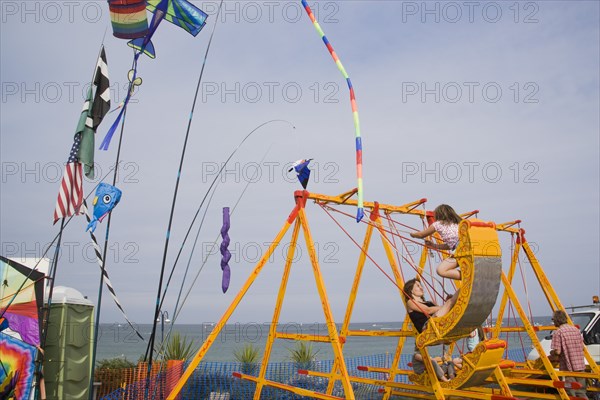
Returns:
(178, 347)
(248, 357)
(303, 355)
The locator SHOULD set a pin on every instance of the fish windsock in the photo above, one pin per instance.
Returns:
(301, 168)
(226, 255)
(107, 197)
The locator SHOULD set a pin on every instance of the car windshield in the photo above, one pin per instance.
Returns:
(582, 319)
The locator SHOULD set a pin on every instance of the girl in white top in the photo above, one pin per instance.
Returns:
(446, 224)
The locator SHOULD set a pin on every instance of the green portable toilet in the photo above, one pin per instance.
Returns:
(68, 350)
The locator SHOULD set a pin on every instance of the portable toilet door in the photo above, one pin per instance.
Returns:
(69, 344)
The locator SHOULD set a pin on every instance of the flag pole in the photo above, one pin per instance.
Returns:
(103, 269)
(46, 314)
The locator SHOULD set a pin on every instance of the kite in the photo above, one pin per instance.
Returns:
(181, 13)
(107, 197)
(178, 12)
(21, 299)
(128, 18)
(17, 368)
(301, 167)
(226, 255)
(360, 213)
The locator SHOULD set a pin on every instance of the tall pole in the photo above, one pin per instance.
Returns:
(46, 315)
(150, 349)
(99, 306)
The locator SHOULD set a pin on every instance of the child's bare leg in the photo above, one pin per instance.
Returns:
(447, 305)
(447, 269)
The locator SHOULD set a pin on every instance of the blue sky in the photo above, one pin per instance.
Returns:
(490, 106)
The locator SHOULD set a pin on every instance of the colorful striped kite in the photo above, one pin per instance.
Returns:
(128, 18)
(360, 212)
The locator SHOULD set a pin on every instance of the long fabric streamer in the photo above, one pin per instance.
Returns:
(225, 253)
(107, 281)
(107, 138)
(360, 212)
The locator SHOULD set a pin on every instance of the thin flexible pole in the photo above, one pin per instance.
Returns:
(172, 212)
(223, 166)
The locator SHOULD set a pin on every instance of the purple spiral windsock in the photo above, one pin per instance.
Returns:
(226, 255)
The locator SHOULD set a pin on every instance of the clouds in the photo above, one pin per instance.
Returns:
(497, 112)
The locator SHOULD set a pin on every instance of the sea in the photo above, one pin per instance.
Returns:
(119, 340)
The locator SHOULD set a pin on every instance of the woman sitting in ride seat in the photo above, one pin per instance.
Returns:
(419, 311)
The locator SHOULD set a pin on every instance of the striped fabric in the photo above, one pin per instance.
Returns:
(101, 105)
(181, 13)
(70, 195)
(96, 110)
(358, 140)
(128, 18)
(106, 278)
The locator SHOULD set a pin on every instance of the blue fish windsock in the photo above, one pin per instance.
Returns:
(107, 197)
(301, 167)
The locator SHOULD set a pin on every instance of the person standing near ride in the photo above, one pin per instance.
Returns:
(567, 345)
(446, 224)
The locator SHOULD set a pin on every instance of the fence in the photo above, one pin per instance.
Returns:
(129, 384)
(214, 380)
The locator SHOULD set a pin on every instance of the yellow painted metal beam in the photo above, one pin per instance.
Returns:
(277, 312)
(351, 300)
(289, 388)
(408, 208)
(386, 333)
(221, 324)
(332, 330)
(303, 336)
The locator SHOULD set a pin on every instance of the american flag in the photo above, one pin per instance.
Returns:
(70, 195)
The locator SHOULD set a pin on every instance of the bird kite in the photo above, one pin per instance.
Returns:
(301, 167)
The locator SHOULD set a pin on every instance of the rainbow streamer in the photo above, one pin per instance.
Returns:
(360, 212)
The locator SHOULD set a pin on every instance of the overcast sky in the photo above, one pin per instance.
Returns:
(490, 106)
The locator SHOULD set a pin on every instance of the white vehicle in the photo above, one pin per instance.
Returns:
(588, 320)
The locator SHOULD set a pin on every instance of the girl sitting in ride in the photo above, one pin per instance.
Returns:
(419, 311)
(446, 224)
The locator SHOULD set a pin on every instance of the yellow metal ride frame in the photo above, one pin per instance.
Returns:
(485, 374)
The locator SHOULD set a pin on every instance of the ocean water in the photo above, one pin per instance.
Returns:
(119, 340)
